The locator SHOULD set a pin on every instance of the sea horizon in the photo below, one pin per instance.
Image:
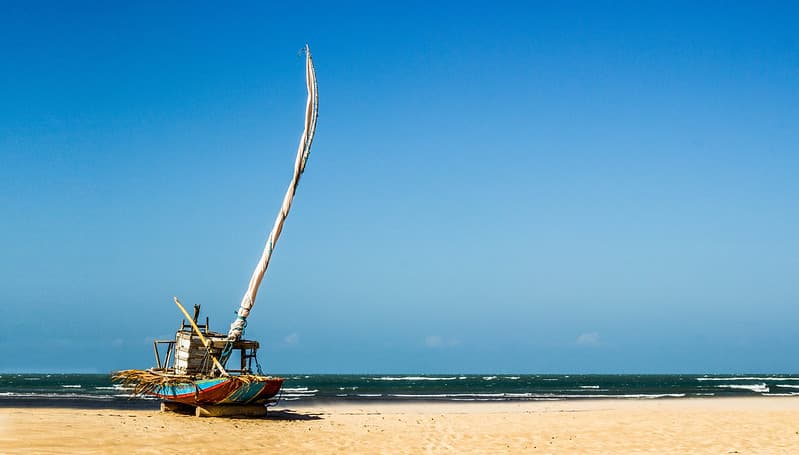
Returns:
(97, 390)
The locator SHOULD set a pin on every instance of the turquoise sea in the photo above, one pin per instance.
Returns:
(97, 390)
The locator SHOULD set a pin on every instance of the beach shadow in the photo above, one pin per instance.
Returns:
(290, 415)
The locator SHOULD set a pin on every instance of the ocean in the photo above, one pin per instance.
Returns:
(98, 391)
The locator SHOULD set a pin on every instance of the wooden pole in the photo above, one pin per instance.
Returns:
(202, 338)
(231, 410)
(157, 357)
(169, 348)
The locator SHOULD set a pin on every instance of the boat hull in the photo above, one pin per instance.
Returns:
(221, 391)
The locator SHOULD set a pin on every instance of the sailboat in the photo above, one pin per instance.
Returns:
(193, 371)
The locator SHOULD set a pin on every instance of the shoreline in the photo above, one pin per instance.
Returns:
(324, 402)
(681, 425)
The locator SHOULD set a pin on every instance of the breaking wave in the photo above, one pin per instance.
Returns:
(760, 388)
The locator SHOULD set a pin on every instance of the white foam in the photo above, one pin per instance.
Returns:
(72, 386)
(489, 378)
(791, 394)
(299, 390)
(32, 379)
(526, 395)
(370, 395)
(513, 377)
(632, 395)
(434, 395)
(454, 395)
(589, 386)
(788, 386)
(114, 387)
(747, 378)
(414, 378)
(761, 388)
(477, 395)
(52, 395)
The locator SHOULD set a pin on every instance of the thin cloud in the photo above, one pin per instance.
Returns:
(437, 341)
(292, 339)
(588, 339)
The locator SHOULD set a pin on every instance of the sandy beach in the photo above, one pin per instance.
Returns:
(719, 426)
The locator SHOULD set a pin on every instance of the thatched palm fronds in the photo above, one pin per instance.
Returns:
(145, 382)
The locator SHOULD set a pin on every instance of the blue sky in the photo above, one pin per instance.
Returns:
(534, 187)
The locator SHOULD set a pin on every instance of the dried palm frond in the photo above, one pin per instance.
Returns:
(145, 382)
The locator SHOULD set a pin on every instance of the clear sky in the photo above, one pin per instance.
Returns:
(494, 187)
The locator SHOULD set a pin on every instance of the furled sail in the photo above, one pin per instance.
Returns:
(311, 113)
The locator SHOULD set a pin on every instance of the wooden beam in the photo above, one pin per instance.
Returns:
(202, 338)
(246, 410)
(169, 348)
(180, 408)
(157, 357)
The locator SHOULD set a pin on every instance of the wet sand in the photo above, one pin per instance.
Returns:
(767, 425)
